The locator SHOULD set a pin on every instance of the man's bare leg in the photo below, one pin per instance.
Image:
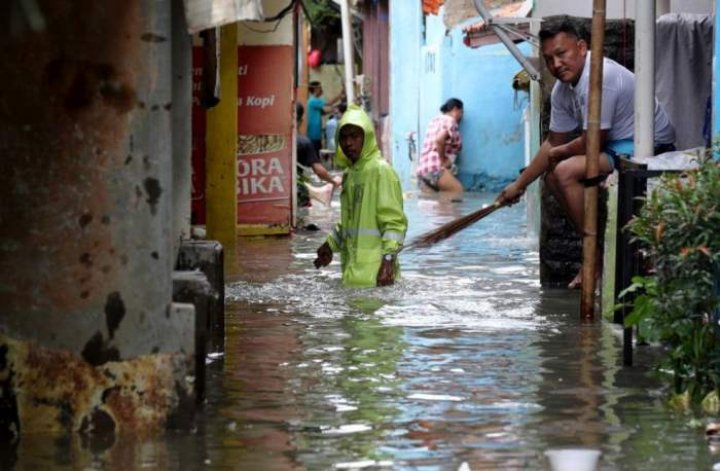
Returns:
(551, 181)
(565, 182)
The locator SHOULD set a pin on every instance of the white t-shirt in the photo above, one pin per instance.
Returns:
(569, 105)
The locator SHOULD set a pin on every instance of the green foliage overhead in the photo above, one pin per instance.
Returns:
(679, 227)
(323, 15)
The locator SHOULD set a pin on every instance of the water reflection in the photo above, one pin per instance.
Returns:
(360, 385)
(256, 397)
(465, 362)
(589, 400)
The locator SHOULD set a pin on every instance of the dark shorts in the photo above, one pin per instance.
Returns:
(431, 179)
(317, 144)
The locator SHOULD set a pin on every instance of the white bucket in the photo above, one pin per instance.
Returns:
(323, 193)
(573, 459)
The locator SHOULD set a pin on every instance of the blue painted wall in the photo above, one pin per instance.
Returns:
(492, 129)
(405, 41)
(428, 69)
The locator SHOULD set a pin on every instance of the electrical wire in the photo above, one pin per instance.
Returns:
(277, 18)
(261, 31)
(282, 12)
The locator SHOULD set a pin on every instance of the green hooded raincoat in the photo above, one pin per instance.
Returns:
(372, 220)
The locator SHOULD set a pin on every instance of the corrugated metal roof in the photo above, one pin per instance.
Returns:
(477, 34)
(459, 11)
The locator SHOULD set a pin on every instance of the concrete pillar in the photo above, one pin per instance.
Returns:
(181, 124)
(89, 335)
(221, 145)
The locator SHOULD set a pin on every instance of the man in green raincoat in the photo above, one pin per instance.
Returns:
(372, 221)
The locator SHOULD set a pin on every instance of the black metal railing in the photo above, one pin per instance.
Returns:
(632, 188)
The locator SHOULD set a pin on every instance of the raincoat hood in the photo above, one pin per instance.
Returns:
(356, 116)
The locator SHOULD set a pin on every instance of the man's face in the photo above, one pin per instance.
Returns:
(352, 139)
(565, 57)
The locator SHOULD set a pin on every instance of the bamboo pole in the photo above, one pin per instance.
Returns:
(587, 310)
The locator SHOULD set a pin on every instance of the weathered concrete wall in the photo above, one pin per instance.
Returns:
(181, 125)
(208, 257)
(46, 390)
(85, 222)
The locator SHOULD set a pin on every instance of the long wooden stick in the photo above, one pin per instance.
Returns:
(587, 310)
(452, 227)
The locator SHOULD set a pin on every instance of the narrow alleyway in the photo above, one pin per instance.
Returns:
(466, 360)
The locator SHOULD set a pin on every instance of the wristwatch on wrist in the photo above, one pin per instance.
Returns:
(388, 257)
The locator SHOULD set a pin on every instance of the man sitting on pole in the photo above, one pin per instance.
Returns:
(562, 159)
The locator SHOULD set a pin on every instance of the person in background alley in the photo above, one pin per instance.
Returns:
(441, 146)
(308, 157)
(317, 107)
(372, 224)
(331, 125)
(562, 159)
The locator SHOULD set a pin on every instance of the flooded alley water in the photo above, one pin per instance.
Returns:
(465, 364)
(465, 361)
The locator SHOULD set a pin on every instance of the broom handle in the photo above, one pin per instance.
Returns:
(486, 212)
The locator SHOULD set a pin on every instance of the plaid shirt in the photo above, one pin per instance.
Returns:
(430, 159)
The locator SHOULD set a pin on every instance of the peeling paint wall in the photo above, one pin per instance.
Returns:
(85, 180)
(85, 183)
(60, 392)
(181, 126)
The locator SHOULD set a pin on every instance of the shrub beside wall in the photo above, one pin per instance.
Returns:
(679, 226)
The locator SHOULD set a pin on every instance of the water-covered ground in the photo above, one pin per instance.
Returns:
(466, 363)
(467, 360)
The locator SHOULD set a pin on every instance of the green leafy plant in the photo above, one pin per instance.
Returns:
(675, 304)
(323, 14)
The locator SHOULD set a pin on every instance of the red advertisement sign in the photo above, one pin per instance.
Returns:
(198, 141)
(265, 125)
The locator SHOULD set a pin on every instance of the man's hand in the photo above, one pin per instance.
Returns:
(386, 274)
(324, 256)
(511, 194)
(337, 182)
